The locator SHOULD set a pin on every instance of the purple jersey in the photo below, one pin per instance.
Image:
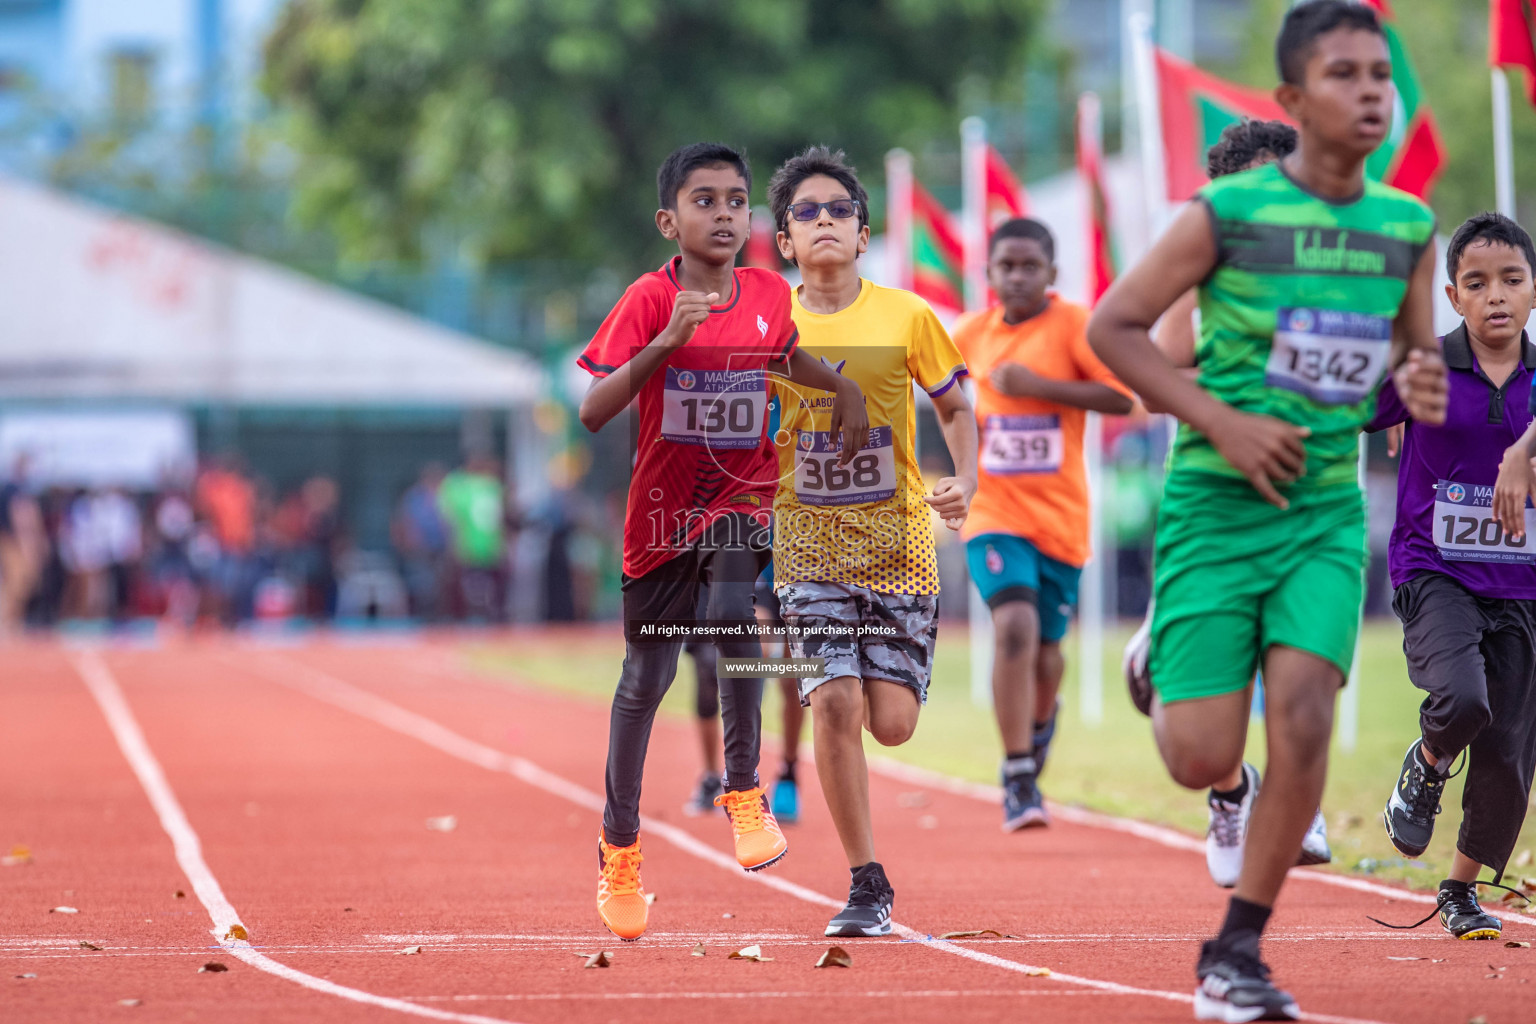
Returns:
(1446, 475)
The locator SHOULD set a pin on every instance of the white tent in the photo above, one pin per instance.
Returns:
(94, 305)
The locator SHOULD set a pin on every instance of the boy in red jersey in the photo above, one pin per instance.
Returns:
(690, 345)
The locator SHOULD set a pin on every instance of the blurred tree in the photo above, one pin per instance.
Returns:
(489, 130)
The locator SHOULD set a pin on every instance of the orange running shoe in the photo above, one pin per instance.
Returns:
(620, 896)
(759, 842)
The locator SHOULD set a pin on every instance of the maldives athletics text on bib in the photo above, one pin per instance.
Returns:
(717, 408)
(1466, 531)
(819, 480)
(1331, 356)
(1022, 444)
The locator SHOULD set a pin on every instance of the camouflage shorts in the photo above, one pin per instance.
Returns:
(860, 633)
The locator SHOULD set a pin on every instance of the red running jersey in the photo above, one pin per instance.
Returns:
(702, 450)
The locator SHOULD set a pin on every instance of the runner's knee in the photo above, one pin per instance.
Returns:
(839, 705)
(1016, 626)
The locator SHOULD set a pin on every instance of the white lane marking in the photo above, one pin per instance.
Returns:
(332, 690)
(891, 994)
(189, 849)
(1152, 833)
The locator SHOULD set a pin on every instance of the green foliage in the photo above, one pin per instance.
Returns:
(489, 130)
(1448, 43)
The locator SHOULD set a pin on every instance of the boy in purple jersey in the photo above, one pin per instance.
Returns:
(1465, 576)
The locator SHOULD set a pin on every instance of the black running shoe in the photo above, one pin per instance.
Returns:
(703, 800)
(1415, 800)
(1041, 739)
(1023, 806)
(868, 912)
(1234, 984)
(1462, 915)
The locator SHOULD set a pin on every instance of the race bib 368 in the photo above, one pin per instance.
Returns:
(819, 480)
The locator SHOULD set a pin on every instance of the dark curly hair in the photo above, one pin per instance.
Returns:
(674, 171)
(1246, 141)
(1490, 229)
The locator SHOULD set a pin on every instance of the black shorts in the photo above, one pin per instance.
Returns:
(727, 560)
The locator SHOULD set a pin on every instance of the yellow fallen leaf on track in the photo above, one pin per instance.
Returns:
(18, 856)
(973, 935)
(238, 933)
(447, 823)
(698, 950)
(212, 967)
(408, 951)
(753, 953)
(1512, 944)
(91, 945)
(600, 959)
(63, 910)
(835, 956)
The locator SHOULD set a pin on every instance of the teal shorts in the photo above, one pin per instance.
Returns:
(1009, 568)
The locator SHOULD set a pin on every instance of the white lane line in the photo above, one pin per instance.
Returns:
(328, 688)
(892, 994)
(1152, 833)
(189, 849)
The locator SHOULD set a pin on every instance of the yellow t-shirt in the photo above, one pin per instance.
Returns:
(865, 524)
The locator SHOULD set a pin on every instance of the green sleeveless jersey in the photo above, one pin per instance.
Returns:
(1296, 319)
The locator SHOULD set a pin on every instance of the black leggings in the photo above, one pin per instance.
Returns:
(727, 561)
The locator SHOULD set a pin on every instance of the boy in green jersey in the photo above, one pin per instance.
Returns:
(1314, 283)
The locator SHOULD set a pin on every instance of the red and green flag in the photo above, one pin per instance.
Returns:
(1090, 167)
(1512, 39)
(938, 254)
(1196, 106)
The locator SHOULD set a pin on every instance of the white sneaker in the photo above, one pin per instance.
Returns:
(1314, 848)
(1227, 831)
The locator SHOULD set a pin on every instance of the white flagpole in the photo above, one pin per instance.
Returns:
(1149, 126)
(1503, 147)
(898, 217)
(973, 209)
(1090, 624)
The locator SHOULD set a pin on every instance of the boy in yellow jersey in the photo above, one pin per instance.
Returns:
(853, 557)
(1027, 536)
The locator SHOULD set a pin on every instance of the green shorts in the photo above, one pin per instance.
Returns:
(1235, 575)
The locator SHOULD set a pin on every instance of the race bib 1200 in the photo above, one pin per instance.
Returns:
(718, 408)
(819, 480)
(1331, 357)
(1465, 530)
(1022, 444)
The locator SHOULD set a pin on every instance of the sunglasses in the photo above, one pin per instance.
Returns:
(840, 209)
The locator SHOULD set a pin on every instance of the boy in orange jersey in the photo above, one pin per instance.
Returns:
(1027, 535)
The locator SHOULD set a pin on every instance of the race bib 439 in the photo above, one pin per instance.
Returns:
(1465, 530)
(1332, 357)
(718, 408)
(1022, 444)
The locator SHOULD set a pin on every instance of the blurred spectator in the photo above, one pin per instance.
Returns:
(226, 499)
(421, 540)
(171, 557)
(23, 546)
(473, 504)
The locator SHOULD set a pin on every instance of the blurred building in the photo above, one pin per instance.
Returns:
(69, 65)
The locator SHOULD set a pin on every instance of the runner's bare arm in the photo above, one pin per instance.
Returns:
(951, 497)
(608, 396)
(1262, 448)
(850, 421)
(1516, 482)
(1417, 368)
(1020, 381)
(1175, 337)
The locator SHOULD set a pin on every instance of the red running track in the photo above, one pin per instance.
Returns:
(299, 781)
